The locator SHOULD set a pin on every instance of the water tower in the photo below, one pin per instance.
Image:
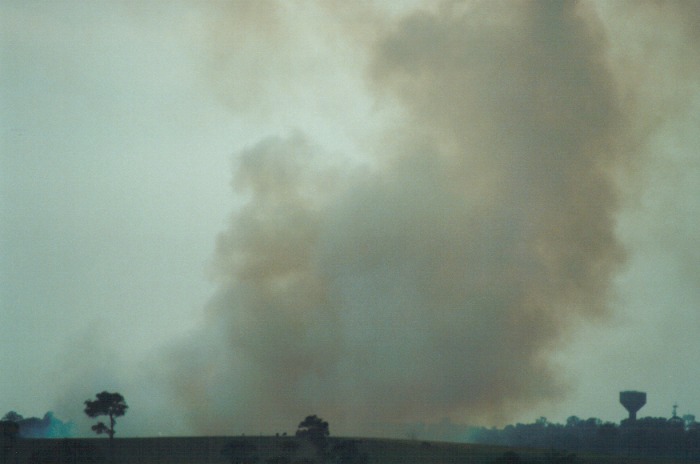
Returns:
(633, 402)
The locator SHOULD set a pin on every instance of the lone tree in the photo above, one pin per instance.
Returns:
(106, 404)
(315, 430)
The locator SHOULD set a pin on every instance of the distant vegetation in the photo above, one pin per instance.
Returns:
(647, 437)
(675, 440)
(33, 427)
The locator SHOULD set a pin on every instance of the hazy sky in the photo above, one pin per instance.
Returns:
(237, 213)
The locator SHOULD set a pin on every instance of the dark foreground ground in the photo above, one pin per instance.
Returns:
(284, 450)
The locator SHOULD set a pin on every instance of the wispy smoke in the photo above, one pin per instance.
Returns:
(435, 283)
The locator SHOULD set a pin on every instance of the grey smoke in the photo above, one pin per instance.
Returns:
(436, 282)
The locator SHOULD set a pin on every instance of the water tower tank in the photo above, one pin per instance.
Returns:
(633, 402)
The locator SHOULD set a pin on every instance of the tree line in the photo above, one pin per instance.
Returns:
(645, 437)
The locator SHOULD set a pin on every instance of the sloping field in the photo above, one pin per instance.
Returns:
(277, 450)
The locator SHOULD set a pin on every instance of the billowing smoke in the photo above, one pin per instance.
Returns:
(435, 281)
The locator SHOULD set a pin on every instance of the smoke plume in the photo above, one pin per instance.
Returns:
(434, 282)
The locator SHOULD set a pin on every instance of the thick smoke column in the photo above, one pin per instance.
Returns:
(435, 284)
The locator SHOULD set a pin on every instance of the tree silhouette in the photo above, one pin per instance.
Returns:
(106, 404)
(315, 430)
(12, 416)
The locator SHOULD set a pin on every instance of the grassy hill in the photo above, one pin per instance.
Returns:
(279, 450)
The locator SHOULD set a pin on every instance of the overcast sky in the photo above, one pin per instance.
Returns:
(237, 213)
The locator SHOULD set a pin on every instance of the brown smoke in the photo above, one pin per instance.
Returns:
(435, 284)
